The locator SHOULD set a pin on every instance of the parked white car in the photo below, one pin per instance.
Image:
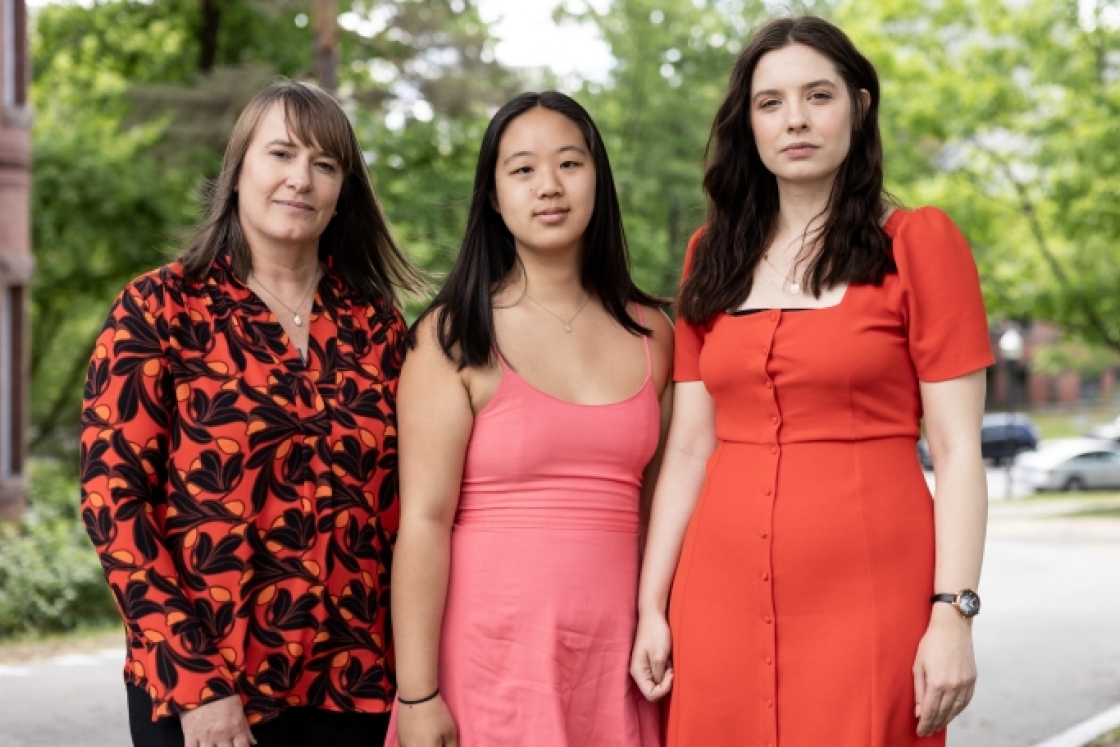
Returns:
(1069, 464)
(1109, 430)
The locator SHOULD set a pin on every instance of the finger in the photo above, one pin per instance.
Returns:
(931, 708)
(657, 667)
(944, 708)
(662, 688)
(919, 690)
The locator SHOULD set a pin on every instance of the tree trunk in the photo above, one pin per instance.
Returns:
(326, 44)
(208, 35)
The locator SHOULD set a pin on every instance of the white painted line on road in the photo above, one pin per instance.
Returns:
(10, 671)
(83, 660)
(1086, 731)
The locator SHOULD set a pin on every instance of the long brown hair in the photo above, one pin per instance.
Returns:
(357, 239)
(743, 200)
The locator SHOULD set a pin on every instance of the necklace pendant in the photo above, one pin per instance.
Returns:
(567, 329)
(793, 289)
(298, 320)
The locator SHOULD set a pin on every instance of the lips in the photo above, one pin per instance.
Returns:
(799, 150)
(294, 205)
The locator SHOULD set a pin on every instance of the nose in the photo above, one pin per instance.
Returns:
(299, 174)
(549, 183)
(796, 120)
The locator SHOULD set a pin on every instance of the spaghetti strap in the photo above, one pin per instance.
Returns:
(645, 341)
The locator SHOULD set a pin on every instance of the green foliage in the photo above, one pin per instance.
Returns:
(1073, 355)
(49, 578)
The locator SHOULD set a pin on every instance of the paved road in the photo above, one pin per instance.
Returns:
(1047, 643)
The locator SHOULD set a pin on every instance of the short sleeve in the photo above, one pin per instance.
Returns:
(945, 320)
(688, 338)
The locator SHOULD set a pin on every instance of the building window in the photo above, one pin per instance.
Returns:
(11, 381)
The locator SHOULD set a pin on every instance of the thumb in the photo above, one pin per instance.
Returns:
(657, 666)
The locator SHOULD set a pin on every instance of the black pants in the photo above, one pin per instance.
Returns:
(295, 727)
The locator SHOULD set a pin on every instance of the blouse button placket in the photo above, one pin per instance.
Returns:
(768, 692)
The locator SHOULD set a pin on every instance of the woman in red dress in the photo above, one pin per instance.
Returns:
(819, 596)
(239, 449)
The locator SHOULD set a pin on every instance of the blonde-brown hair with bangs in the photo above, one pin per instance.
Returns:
(357, 239)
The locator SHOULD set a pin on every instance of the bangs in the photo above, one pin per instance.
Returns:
(314, 119)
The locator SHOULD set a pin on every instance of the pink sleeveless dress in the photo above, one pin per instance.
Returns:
(541, 604)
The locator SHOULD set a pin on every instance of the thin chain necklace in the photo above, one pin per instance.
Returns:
(789, 283)
(567, 324)
(296, 318)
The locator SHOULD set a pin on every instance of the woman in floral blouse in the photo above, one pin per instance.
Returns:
(239, 448)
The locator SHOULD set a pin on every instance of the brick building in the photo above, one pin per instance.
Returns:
(15, 252)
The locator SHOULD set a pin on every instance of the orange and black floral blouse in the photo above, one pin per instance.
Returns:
(243, 503)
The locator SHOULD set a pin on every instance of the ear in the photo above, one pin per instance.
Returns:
(864, 100)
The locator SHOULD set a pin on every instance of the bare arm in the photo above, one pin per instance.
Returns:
(435, 419)
(661, 346)
(691, 441)
(945, 668)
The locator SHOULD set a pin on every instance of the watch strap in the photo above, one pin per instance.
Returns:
(950, 598)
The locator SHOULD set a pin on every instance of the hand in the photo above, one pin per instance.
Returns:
(426, 725)
(650, 665)
(944, 670)
(220, 723)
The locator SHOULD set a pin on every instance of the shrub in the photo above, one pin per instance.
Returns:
(50, 577)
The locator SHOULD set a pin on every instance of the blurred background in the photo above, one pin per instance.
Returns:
(1005, 113)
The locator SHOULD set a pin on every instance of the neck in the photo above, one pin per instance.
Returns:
(550, 278)
(802, 205)
(284, 265)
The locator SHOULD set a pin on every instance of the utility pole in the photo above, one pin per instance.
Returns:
(325, 28)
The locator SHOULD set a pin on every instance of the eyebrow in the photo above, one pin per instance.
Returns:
(825, 82)
(289, 144)
(565, 149)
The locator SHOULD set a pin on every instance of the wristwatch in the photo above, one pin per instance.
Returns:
(966, 601)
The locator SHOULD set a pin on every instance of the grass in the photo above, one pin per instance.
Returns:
(1112, 739)
(1072, 422)
(25, 647)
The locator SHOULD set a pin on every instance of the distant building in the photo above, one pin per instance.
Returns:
(15, 253)
(1015, 382)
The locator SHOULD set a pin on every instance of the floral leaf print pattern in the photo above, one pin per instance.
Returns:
(244, 503)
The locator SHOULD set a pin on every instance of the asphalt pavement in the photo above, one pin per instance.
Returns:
(1047, 642)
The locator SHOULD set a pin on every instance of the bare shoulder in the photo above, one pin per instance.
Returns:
(426, 352)
(661, 344)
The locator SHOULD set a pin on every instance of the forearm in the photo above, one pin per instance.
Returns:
(678, 490)
(421, 563)
(960, 519)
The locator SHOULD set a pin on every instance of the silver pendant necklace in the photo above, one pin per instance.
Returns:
(296, 318)
(567, 323)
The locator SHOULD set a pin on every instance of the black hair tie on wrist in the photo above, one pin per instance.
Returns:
(425, 699)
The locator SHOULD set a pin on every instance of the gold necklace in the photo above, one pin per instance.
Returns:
(789, 285)
(567, 324)
(296, 318)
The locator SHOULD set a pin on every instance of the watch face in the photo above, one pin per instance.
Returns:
(968, 603)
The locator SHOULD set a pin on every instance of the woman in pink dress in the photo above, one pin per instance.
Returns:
(531, 409)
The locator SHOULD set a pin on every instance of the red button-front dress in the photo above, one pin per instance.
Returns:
(804, 582)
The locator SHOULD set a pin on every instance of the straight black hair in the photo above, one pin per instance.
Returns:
(464, 306)
(743, 194)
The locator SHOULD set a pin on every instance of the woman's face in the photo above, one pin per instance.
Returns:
(544, 181)
(287, 190)
(801, 115)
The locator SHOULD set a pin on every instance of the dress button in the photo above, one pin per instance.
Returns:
(773, 449)
(768, 619)
(764, 534)
(773, 316)
(774, 420)
(765, 576)
(769, 660)
(769, 704)
(769, 491)
(769, 384)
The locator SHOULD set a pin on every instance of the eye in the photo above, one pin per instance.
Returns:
(327, 167)
(280, 154)
(820, 96)
(570, 165)
(522, 170)
(767, 103)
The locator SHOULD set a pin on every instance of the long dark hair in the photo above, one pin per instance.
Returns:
(464, 307)
(742, 193)
(357, 239)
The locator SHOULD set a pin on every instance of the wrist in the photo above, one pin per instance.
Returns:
(946, 615)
